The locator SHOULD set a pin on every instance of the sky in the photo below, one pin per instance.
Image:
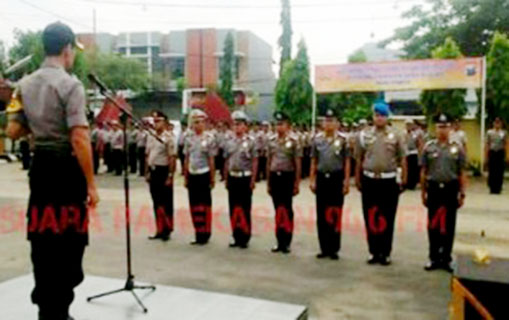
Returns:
(332, 29)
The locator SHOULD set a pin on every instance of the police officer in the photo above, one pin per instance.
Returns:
(241, 166)
(95, 147)
(496, 148)
(284, 169)
(199, 173)
(261, 140)
(160, 170)
(380, 150)
(443, 192)
(108, 152)
(61, 175)
(412, 154)
(117, 147)
(133, 158)
(141, 146)
(181, 138)
(330, 181)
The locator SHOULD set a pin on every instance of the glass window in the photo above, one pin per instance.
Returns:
(139, 50)
(177, 67)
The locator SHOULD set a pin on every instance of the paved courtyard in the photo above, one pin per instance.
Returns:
(344, 289)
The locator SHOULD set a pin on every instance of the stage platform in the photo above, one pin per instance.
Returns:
(165, 303)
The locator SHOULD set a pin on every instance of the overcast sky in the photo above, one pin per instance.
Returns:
(333, 29)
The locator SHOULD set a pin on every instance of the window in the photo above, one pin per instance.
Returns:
(122, 50)
(139, 50)
(177, 67)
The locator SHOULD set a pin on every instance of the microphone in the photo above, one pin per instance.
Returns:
(93, 78)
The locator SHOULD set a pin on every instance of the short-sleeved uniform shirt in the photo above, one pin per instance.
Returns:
(496, 139)
(117, 140)
(199, 148)
(412, 140)
(240, 152)
(330, 152)
(282, 152)
(443, 161)
(382, 149)
(159, 153)
(53, 103)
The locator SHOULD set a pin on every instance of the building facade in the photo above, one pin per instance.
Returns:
(193, 57)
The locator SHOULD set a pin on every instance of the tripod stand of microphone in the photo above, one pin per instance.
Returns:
(130, 285)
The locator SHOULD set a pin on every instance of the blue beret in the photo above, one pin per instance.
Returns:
(382, 109)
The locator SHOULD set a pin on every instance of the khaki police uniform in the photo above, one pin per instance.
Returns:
(133, 157)
(54, 102)
(330, 154)
(379, 151)
(240, 153)
(283, 152)
(159, 157)
(141, 146)
(412, 158)
(198, 149)
(117, 147)
(443, 164)
(497, 141)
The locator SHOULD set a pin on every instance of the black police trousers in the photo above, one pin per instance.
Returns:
(117, 156)
(262, 164)
(239, 200)
(413, 171)
(162, 198)
(200, 203)
(379, 204)
(496, 171)
(141, 159)
(442, 209)
(281, 186)
(57, 231)
(108, 157)
(329, 210)
(133, 158)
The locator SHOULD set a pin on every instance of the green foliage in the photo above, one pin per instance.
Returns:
(27, 43)
(357, 56)
(181, 85)
(285, 40)
(469, 22)
(450, 102)
(497, 92)
(226, 71)
(294, 93)
(2, 57)
(119, 73)
(350, 106)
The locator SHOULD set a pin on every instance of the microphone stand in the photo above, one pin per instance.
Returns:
(130, 285)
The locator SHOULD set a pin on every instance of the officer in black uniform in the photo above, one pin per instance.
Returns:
(241, 166)
(160, 169)
(283, 178)
(380, 151)
(61, 175)
(330, 181)
(496, 150)
(443, 192)
(199, 173)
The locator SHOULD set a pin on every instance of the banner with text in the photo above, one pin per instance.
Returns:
(400, 75)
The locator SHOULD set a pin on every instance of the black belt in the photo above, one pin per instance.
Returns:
(442, 185)
(330, 174)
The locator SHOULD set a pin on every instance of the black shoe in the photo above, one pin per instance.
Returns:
(385, 261)
(334, 256)
(275, 249)
(432, 265)
(321, 255)
(373, 260)
(447, 266)
(197, 243)
(286, 250)
(244, 246)
(165, 238)
(155, 237)
(233, 245)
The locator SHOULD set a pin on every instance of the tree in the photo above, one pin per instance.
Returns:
(497, 92)
(27, 43)
(2, 57)
(120, 73)
(226, 71)
(350, 106)
(285, 40)
(450, 102)
(294, 93)
(471, 23)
